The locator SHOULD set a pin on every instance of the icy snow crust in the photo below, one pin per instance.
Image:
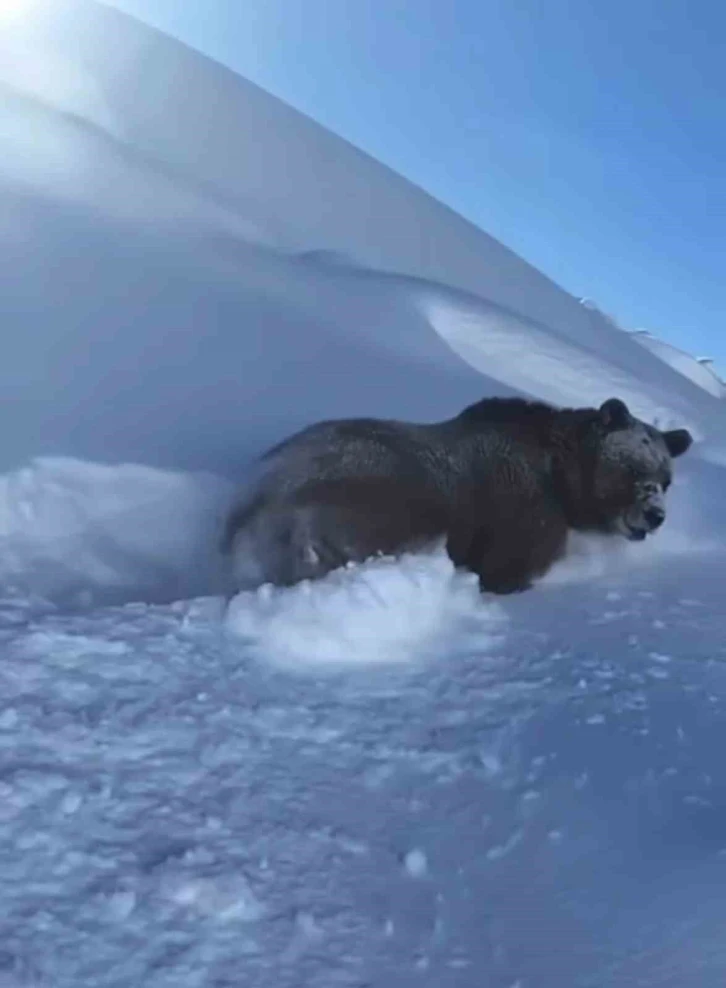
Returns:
(381, 779)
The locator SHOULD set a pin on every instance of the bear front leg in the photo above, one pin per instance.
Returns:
(502, 568)
(509, 562)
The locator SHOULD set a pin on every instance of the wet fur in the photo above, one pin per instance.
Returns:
(502, 483)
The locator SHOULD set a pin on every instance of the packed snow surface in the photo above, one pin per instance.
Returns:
(382, 779)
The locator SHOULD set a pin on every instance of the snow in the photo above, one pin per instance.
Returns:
(384, 612)
(696, 369)
(84, 533)
(382, 778)
(416, 863)
(176, 811)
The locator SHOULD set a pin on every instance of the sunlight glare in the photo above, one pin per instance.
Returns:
(17, 8)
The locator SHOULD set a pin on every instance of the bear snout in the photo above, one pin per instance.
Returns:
(654, 517)
(642, 520)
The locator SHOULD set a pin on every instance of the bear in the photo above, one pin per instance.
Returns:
(502, 484)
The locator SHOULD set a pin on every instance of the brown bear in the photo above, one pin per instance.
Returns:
(502, 483)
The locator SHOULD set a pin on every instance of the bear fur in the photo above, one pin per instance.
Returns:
(502, 483)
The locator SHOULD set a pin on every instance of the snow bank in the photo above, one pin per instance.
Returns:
(82, 534)
(165, 276)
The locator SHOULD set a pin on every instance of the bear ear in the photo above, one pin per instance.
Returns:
(614, 414)
(678, 441)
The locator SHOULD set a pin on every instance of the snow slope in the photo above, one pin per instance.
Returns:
(696, 369)
(380, 780)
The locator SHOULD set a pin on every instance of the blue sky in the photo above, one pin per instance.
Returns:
(589, 137)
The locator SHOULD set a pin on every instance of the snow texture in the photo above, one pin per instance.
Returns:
(696, 369)
(382, 779)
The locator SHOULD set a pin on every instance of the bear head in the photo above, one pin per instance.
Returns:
(631, 464)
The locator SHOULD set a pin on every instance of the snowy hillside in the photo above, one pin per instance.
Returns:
(697, 369)
(382, 779)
